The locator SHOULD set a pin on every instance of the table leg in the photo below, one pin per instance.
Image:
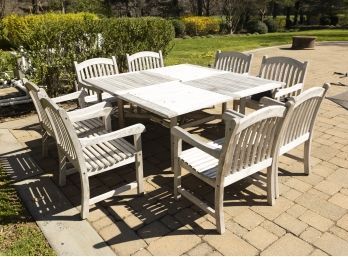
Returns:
(120, 113)
(236, 104)
(173, 122)
(99, 96)
(242, 105)
(224, 108)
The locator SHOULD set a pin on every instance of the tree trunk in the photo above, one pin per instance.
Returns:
(288, 21)
(199, 7)
(2, 8)
(297, 8)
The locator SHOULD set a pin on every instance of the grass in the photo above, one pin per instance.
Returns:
(201, 50)
(19, 234)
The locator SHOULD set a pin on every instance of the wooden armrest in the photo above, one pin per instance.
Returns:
(266, 101)
(284, 91)
(228, 114)
(69, 97)
(188, 138)
(102, 109)
(121, 133)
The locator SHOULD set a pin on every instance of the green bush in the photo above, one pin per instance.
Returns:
(272, 25)
(7, 65)
(198, 25)
(179, 27)
(255, 26)
(54, 41)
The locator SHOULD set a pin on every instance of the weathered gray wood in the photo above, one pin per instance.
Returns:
(233, 61)
(144, 60)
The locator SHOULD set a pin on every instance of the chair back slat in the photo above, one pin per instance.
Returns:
(252, 139)
(304, 114)
(284, 69)
(94, 68)
(233, 61)
(144, 60)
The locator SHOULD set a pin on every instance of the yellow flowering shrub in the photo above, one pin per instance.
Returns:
(201, 25)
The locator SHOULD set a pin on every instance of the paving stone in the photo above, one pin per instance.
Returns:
(288, 245)
(318, 252)
(122, 239)
(260, 238)
(176, 243)
(273, 228)
(339, 232)
(340, 200)
(291, 224)
(96, 214)
(339, 177)
(298, 185)
(310, 235)
(318, 193)
(296, 210)
(323, 170)
(102, 223)
(344, 191)
(315, 220)
(234, 227)
(320, 206)
(249, 219)
(171, 223)
(142, 252)
(343, 222)
(230, 244)
(328, 187)
(272, 212)
(332, 244)
(153, 231)
(201, 250)
(292, 194)
(187, 216)
(312, 179)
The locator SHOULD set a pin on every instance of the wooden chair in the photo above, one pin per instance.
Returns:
(233, 61)
(250, 145)
(95, 154)
(93, 68)
(144, 61)
(300, 125)
(285, 69)
(82, 126)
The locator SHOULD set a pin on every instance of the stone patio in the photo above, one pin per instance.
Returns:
(310, 217)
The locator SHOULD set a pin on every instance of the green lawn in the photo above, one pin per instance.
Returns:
(19, 234)
(201, 50)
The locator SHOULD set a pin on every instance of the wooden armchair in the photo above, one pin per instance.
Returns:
(81, 127)
(93, 68)
(251, 144)
(285, 69)
(144, 61)
(233, 61)
(300, 125)
(94, 154)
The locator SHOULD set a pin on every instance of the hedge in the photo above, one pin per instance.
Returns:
(200, 25)
(54, 41)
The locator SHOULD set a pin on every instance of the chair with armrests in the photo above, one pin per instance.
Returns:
(251, 144)
(233, 61)
(95, 153)
(284, 69)
(300, 125)
(94, 68)
(144, 60)
(82, 126)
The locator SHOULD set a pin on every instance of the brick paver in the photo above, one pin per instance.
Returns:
(309, 218)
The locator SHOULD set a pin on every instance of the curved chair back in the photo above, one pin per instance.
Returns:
(233, 61)
(144, 61)
(285, 69)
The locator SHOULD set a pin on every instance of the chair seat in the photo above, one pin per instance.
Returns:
(85, 126)
(93, 99)
(108, 155)
(200, 163)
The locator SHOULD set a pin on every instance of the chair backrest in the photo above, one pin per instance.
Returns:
(144, 61)
(300, 125)
(95, 67)
(64, 133)
(251, 143)
(36, 94)
(233, 61)
(284, 69)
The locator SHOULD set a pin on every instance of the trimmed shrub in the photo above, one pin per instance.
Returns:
(255, 26)
(7, 65)
(54, 41)
(325, 20)
(199, 25)
(179, 27)
(272, 25)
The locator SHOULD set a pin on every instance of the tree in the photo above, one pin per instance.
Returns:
(233, 11)
(2, 8)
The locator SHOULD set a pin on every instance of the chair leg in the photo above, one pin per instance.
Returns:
(176, 150)
(62, 168)
(219, 209)
(271, 185)
(242, 105)
(85, 195)
(139, 164)
(45, 138)
(307, 156)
